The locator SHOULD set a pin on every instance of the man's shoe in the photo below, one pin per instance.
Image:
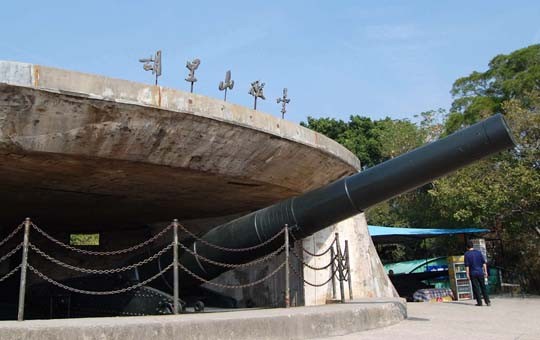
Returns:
(479, 305)
(488, 304)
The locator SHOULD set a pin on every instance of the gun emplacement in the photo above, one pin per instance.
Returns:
(346, 197)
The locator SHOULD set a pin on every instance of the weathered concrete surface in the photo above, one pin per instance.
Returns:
(369, 280)
(89, 153)
(96, 150)
(506, 319)
(293, 323)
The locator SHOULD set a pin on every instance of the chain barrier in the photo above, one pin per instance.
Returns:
(342, 267)
(13, 233)
(13, 271)
(232, 286)
(339, 263)
(25, 265)
(13, 251)
(231, 265)
(215, 246)
(100, 271)
(315, 254)
(102, 253)
(310, 266)
(319, 254)
(297, 274)
(91, 292)
(269, 256)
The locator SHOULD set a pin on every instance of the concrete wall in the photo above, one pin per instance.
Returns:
(368, 276)
(369, 280)
(269, 293)
(83, 147)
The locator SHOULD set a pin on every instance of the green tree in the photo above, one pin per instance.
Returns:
(357, 135)
(503, 192)
(482, 94)
(371, 141)
(397, 136)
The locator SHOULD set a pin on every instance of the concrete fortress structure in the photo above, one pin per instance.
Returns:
(85, 153)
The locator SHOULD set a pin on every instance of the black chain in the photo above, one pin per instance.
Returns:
(314, 254)
(309, 283)
(90, 292)
(13, 271)
(13, 251)
(215, 246)
(102, 253)
(100, 271)
(230, 265)
(232, 286)
(309, 266)
(15, 231)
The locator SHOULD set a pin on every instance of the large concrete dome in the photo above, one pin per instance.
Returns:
(80, 150)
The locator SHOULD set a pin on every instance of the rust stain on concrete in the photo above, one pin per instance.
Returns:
(35, 75)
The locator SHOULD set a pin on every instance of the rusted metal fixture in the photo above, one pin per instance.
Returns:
(287, 279)
(284, 101)
(24, 266)
(333, 270)
(175, 267)
(153, 64)
(341, 277)
(228, 83)
(256, 90)
(348, 269)
(192, 66)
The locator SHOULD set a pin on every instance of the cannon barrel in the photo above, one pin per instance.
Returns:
(346, 197)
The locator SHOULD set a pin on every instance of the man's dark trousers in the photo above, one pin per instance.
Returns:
(478, 285)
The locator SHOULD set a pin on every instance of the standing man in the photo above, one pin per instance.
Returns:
(476, 272)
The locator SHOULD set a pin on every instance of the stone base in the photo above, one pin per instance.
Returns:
(279, 323)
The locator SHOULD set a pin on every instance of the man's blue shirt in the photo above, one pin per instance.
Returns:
(475, 261)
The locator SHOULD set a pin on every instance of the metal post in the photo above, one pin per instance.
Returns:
(348, 264)
(340, 269)
(24, 265)
(287, 281)
(333, 271)
(175, 265)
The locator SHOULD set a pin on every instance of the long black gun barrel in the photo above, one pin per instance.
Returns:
(320, 208)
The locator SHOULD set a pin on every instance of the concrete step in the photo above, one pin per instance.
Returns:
(279, 323)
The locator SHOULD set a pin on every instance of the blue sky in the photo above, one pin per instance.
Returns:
(337, 58)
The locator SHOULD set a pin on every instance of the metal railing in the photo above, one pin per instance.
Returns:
(339, 263)
(29, 247)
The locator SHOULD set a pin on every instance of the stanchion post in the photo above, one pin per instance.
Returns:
(340, 269)
(348, 264)
(287, 281)
(333, 270)
(175, 265)
(24, 265)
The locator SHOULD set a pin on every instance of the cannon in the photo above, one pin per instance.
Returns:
(337, 201)
(305, 215)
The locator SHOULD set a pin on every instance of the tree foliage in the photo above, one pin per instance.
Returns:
(501, 193)
(481, 94)
(371, 141)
